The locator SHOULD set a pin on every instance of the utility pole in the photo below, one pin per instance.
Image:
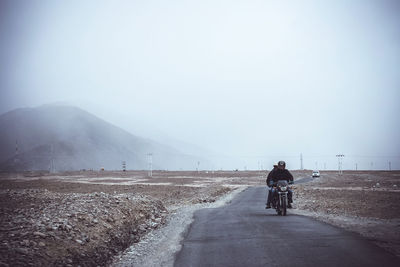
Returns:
(52, 167)
(340, 157)
(301, 161)
(390, 166)
(16, 152)
(324, 165)
(150, 163)
(356, 166)
(198, 167)
(316, 165)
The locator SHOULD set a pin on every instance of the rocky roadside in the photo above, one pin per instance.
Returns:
(158, 248)
(43, 228)
(52, 228)
(371, 212)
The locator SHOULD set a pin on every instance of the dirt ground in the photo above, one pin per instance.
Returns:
(365, 202)
(86, 218)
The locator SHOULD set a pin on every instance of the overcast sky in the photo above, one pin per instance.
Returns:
(262, 80)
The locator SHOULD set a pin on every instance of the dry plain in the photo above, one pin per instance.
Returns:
(87, 218)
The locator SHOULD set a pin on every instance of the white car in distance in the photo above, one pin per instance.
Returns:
(315, 174)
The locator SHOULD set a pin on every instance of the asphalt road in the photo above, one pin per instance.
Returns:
(243, 233)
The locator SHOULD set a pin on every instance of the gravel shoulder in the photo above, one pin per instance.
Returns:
(160, 246)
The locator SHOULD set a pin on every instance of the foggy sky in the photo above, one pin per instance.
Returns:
(258, 80)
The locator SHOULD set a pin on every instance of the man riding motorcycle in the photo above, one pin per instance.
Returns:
(279, 173)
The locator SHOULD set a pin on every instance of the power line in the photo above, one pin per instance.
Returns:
(301, 161)
(16, 152)
(340, 167)
(52, 165)
(150, 164)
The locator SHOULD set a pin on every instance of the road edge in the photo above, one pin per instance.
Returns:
(160, 246)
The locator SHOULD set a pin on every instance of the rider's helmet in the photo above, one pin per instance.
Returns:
(281, 163)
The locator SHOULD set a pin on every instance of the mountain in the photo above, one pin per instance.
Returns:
(70, 138)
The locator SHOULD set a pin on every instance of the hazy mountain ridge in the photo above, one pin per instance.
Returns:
(75, 139)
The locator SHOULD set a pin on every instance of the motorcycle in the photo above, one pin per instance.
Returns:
(280, 198)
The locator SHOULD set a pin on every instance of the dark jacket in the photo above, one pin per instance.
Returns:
(277, 174)
(270, 174)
